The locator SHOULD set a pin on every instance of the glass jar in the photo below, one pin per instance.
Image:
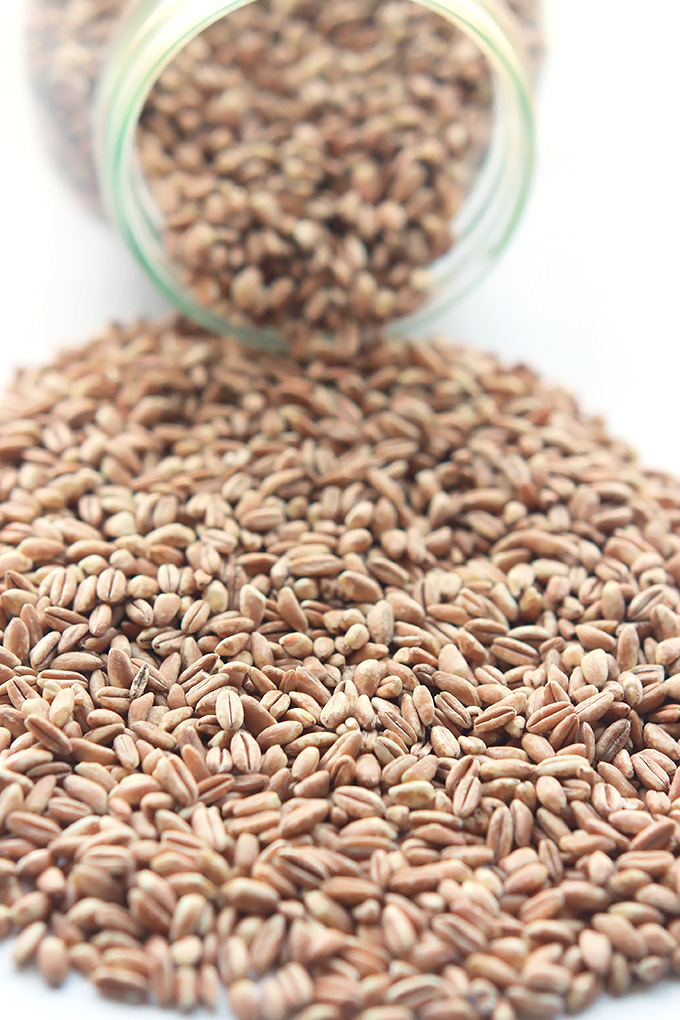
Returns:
(278, 163)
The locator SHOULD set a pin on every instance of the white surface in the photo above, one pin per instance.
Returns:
(587, 293)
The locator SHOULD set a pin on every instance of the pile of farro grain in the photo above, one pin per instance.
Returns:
(307, 158)
(350, 683)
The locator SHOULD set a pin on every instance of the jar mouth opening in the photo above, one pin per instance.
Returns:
(157, 31)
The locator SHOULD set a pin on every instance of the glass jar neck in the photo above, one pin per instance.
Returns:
(153, 32)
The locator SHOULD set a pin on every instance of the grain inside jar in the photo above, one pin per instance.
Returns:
(306, 162)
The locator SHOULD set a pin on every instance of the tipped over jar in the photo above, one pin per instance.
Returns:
(286, 164)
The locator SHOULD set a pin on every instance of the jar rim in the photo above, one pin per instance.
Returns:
(155, 31)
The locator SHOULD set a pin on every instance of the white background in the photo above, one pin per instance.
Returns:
(587, 293)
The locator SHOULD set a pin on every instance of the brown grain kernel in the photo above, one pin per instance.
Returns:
(28, 942)
(53, 961)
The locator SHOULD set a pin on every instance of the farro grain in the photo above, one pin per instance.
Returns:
(345, 785)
